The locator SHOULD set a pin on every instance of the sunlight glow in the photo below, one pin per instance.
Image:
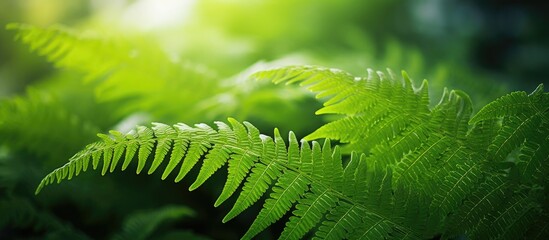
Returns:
(153, 14)
(147, 14)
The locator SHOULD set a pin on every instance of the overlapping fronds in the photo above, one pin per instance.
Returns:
(376, 108)
(511, 136)
(510, 220)
(440, 152)
(417, 171)
(519, 137)
(383, 116)
(140, 75)
(523, 118)
(308, 176)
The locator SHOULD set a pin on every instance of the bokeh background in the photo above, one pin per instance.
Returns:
(486, 48)
(506, 40)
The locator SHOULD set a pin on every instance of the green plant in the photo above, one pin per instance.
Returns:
(118, 71)
(429, 170)
(413, 171)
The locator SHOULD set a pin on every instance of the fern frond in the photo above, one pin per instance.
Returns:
(301, 175)
(377, 108)
(384, 117)
(456, 186)
(416, 164)
(419, 171)
(513, 132)
(309, 211)
(532, 161)
(521, 116)
(481, 135)
(69, 49)
(515, 104)
(488, 197)
(440, 151)
(510, 220)
(121, 70)
(340, 222)
(289, 188)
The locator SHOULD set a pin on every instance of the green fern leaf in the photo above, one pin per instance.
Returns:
(309, 211)
(513, 132)
(131, 149)
(62, 45)
(370, 104)
(414, 165)
(532, 162)
(456, 186)
(374, 227)
(242, 159)
(301, 174)
(196, 149)
(179, 149)
(146, 144)
(349, 175)
(412, 208)
(166, 134)
(509, 221)
(415, 174)
(289, 188)
(489, 196)
(118, 150)
(521, 118)
(256, 185)
(438, 151)
(340, 222)
(121, 70)
(514, 104)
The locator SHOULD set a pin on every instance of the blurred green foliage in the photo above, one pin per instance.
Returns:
(123, 63)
